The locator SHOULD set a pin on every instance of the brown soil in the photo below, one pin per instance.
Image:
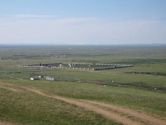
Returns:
(7, 123)
(116, 113)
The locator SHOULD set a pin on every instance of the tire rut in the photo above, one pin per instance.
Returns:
(7, 123)
(145, 118)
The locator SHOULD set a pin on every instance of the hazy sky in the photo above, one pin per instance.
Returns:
(82, 21)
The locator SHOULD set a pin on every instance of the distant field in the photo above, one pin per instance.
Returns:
(142, 87)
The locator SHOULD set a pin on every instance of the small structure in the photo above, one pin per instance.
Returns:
(36, 78)
(32, 78)
(49, 78)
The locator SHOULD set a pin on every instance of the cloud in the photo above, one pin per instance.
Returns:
(35, 29)
(32, 16)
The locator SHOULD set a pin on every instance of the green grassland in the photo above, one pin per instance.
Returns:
(31, 109)
(128, 97)
(142, 87)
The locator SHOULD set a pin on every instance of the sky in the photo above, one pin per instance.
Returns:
(82, 22)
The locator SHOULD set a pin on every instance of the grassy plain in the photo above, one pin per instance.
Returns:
(31, 109)
(124, 87)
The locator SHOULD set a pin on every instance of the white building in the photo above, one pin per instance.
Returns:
(49, 78)
(32, 78)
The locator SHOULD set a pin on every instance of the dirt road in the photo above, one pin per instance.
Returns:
(116, 113)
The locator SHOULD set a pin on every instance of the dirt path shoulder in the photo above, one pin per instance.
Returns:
(6, 123)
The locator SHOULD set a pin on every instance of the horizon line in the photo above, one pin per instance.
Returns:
(127, 44)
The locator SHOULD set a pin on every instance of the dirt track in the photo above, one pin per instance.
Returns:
(112, 112)
(7, 123)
